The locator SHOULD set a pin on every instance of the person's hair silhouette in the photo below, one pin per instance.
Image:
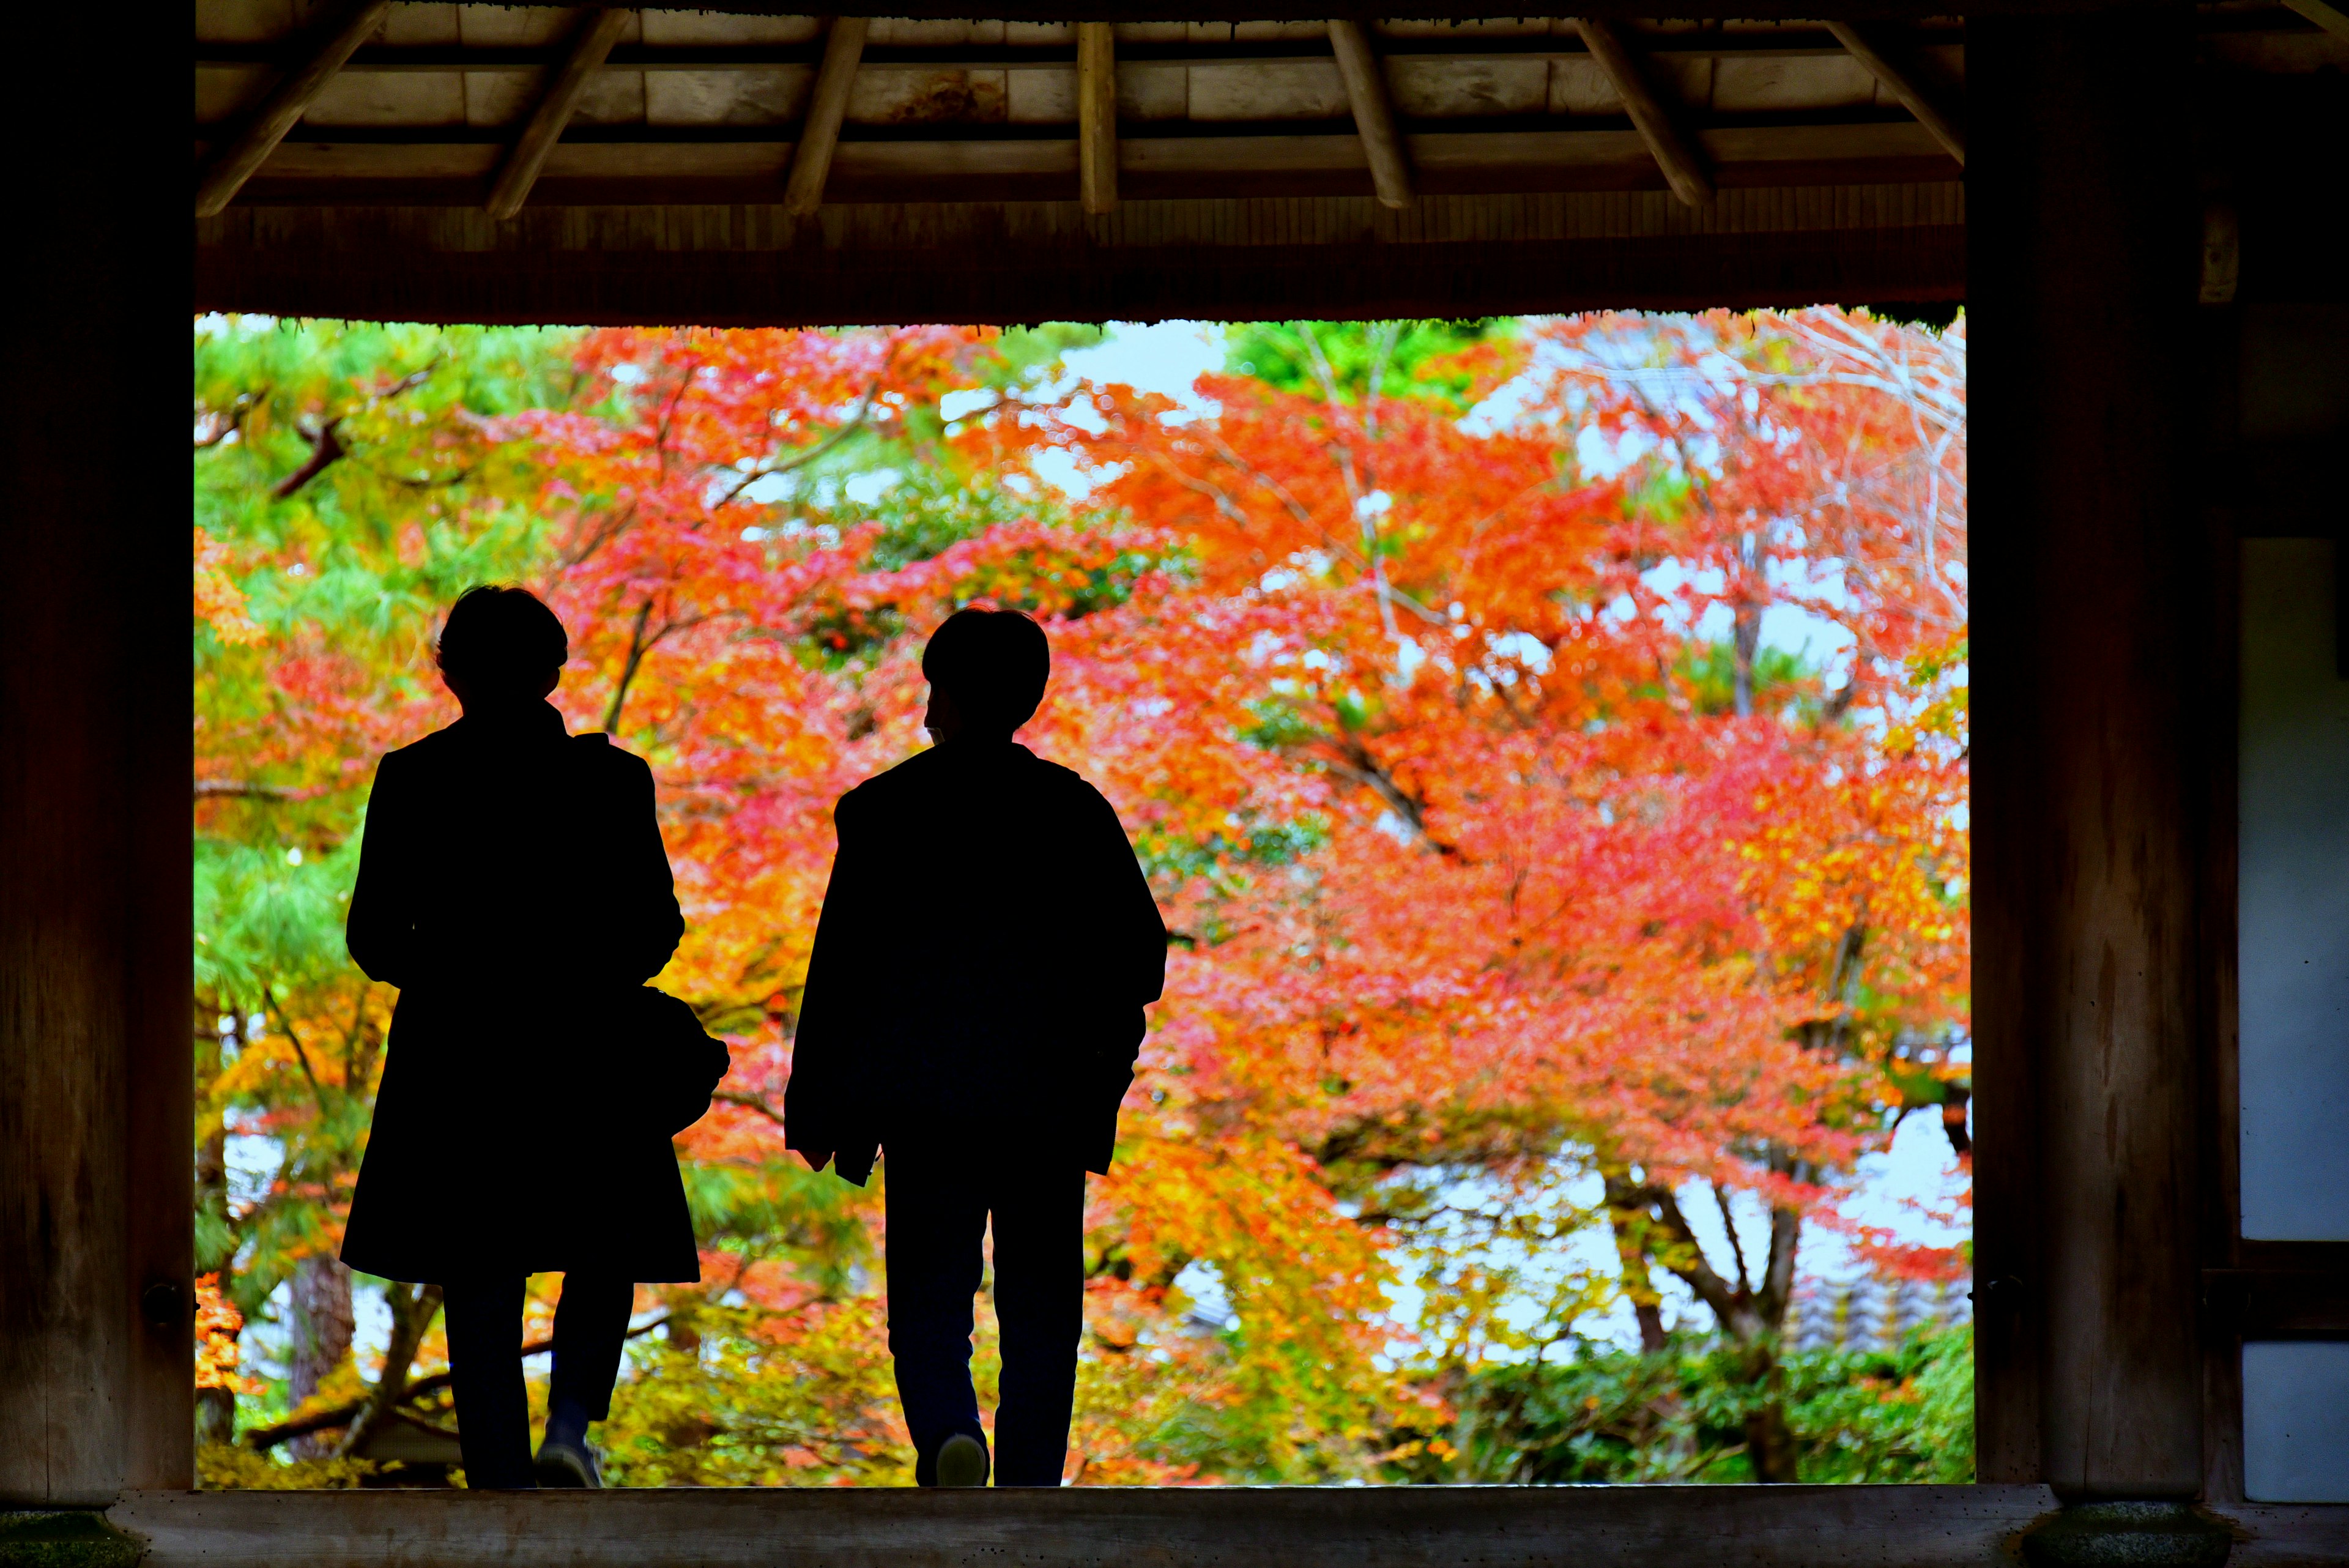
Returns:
(974, 1004)
(501, 644)
(513, 886)
(987, 670)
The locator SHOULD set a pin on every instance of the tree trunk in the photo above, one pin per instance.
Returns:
(1628, 1217)
(1745, 642)
(215, 1415)
(412, 1309)
(321, 1337)
(1769, 1441)
(1751, 1315)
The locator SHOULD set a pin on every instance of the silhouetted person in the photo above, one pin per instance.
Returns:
(974, 1005)
(513, 885)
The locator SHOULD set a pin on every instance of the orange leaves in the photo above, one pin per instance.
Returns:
(1496, 814)
(1563, 888)
(219, 1361)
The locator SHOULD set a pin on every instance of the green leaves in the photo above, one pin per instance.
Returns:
(1412, 358)
(1604, 1415)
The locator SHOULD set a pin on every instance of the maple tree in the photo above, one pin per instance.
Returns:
(1427, 667)
(1569, 894)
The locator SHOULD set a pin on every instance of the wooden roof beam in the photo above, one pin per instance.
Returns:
(285, 104)
(1684, 168)
(1097, 116)
(843, 46)
(1944, 126)
(1366, 90)
(2330, 17)
(597, 35)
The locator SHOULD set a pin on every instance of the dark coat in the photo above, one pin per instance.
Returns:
(513, 884)
(986, 947)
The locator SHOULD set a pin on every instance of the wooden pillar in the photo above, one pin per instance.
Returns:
(2082, 232)
(96, 1083)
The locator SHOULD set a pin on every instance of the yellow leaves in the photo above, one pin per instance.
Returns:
(233, 1467)
(218, 602)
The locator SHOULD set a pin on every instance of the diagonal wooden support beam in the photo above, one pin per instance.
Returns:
(1684, 170)
(233, 164)
(1366, 89)
(1097, 116)
(2330, 17)
(597, 33)
(843, 46)
(1901, 85)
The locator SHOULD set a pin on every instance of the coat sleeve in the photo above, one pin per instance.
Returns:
(653, 924)
(380, 932)
(825, 1118)
(1126, 959)
(1129, 918)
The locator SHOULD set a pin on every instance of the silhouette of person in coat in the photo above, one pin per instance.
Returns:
(973, 1007)
(513, 886)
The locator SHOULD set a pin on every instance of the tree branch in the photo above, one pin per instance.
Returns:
(325, 448)
(237, 789)
(748, 1102)
(266, 1438)
(411, 1315)
(802, 459)
(637, 646)
(317, 1090)
(1355, 761)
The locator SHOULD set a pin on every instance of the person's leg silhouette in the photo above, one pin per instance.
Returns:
(935, 1222)
(484, 1324)
(591, 1327)
(1040, 1298)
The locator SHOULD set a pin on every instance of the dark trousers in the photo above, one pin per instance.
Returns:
(484, 1323)
(939, 1209)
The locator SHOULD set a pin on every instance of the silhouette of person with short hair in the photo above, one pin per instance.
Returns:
(513, 886)
(973, 1007)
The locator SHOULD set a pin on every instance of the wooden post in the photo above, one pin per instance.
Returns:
(2083, 227)
(96, 1071)
(1901, 85)
(1097, 117)
(597, 33)
(843, 46)
(1683, 167)
(1366, 90)
(233, 163)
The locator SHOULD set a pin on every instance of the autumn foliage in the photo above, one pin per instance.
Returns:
(1523, 881)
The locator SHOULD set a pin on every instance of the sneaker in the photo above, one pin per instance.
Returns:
(962, 1461)
(568, 1464)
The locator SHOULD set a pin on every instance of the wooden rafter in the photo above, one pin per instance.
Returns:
(1366, 90)
(1684, 170)
(597, 33)
(2331, 17)
(1097, 116)
(1903, 86)
(843, 46)
(285, 106)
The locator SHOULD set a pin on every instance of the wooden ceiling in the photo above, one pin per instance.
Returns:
(343, 126)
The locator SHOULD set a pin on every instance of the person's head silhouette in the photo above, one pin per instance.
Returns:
(501, 648)
(987, 671)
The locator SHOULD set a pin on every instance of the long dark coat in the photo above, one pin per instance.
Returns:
(513, 884)
(987, 946)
